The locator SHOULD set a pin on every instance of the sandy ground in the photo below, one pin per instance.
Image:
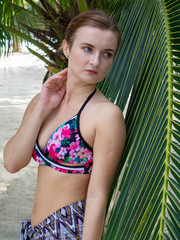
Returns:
(21, 77)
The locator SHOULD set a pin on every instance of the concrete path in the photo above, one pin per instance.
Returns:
(21, 77)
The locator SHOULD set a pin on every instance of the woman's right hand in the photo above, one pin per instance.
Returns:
(53, 90)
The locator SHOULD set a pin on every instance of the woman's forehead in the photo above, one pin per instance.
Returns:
(95, 36)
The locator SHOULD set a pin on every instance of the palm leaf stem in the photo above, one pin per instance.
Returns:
(169, 125)
(39, 56)
(50, 10)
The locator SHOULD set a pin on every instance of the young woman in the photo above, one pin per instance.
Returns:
(75, 134)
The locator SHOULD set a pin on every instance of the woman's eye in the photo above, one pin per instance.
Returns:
(87, 49)
(107, 54)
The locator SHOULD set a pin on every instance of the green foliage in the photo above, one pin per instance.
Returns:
(41, 23)
(147, 68)
(82, 5)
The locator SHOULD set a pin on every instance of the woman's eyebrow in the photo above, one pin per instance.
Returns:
(90, 45)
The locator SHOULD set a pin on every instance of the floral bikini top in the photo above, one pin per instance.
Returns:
(66, 145)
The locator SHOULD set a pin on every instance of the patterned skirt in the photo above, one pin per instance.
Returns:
(65, 224)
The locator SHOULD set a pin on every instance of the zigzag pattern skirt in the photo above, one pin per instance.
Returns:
(65, 224)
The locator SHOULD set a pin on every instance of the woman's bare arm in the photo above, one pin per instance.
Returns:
(18, 150)
(108, 148)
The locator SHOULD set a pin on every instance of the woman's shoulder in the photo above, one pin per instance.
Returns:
(107, 109)
(107, 116)
(110, 124)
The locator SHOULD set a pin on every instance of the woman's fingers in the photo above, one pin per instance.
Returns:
(54, 89)
(60, 75)
(64, 71)
(62, 92)
(54, 86)
(57, 79)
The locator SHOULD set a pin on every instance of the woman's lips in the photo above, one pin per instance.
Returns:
(91, 71)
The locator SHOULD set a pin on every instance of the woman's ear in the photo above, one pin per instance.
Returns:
(66, 48)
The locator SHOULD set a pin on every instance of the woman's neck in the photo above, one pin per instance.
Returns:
(78, 92)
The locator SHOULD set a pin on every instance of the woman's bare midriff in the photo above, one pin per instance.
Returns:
(55, 190)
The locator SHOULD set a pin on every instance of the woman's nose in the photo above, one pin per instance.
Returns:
(95, 59)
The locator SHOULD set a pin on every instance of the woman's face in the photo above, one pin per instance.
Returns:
(91, 54)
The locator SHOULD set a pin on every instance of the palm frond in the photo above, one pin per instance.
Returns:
(147, 68)
(42, 24)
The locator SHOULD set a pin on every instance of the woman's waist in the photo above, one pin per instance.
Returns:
(50, 194)
(58, 182)
(41, 210)
(54, 192)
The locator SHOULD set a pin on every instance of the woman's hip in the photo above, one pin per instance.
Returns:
(65, 223)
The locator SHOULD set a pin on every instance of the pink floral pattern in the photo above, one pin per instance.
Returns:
(66, 145)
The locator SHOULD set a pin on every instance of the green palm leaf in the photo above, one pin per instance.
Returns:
(147, 67)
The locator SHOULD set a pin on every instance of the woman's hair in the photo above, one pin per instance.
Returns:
(91, 18)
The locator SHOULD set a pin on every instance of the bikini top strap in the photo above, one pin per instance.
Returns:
(87, 100)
